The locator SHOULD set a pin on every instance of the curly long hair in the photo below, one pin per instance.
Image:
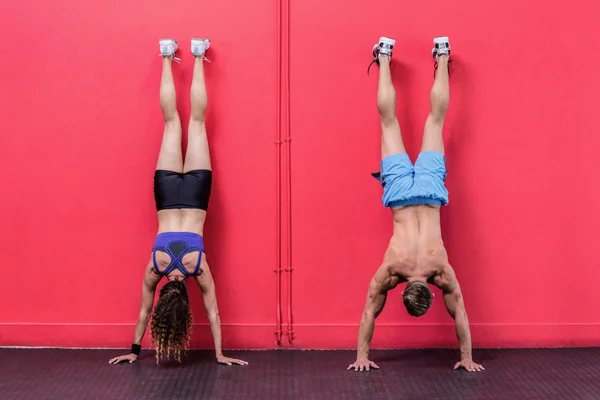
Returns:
(172, 321)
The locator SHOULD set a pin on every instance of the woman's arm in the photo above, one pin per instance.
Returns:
(148, 289)
(207, 286)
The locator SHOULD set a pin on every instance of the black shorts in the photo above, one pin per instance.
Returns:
(178, 190)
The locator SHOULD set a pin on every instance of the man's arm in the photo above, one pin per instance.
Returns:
(148, 290)
(376, 296)
(207, 286)
(456, 308)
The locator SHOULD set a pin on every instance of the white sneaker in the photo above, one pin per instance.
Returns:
(199, 47)
(168, 47)
(441, 46)
(384, 47)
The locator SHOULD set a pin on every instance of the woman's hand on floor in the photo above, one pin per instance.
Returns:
(230, 361)
(128, 357)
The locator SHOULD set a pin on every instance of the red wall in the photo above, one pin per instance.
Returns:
(81, 128)
(522, 143)
(81, 132)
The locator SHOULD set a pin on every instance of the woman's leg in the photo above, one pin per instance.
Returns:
(170, 157)
(197, 155)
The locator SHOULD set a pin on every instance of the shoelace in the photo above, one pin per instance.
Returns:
(376, 58)
(375, 61)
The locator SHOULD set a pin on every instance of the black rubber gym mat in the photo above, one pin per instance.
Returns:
(516, 374)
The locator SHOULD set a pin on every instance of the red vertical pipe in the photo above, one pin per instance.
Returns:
(278, 328)
(283, 136)
(286, 135)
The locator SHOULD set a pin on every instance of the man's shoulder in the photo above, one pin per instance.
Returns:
(387, 277)
(445, 278)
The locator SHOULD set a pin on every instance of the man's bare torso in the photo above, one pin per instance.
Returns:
(416, 249)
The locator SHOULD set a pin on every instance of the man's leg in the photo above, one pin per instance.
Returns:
(430, 167)
(439, 100)
(170, 157)
(391, 137)
(198, 155)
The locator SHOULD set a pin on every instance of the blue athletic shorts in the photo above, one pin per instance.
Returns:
(405, 184)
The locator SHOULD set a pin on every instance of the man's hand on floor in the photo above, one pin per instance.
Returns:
(469, 365)
(361, 365)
